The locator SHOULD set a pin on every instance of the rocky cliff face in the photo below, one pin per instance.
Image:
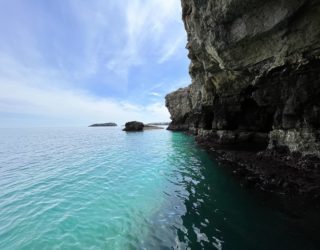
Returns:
(255, 69)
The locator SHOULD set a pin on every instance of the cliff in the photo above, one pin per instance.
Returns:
(255, 70)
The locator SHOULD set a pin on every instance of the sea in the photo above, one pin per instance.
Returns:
(102, 188)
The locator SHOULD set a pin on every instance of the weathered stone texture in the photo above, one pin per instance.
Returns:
(255, 69)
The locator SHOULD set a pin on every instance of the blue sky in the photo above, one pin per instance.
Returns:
(76, 62)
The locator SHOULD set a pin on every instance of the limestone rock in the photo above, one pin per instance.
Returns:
(179, 106)
(133, 126)
(255, 69)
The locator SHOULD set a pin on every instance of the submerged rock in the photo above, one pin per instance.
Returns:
(255, 76)
(108, 124)
(133, 126)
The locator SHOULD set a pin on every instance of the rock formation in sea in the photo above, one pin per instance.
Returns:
(133, 126)
(255, 70)
(108, 124)
(138, 126)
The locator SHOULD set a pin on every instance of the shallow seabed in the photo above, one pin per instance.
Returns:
(101, 188)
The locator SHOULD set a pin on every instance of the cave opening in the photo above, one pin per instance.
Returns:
(207, 119)
(258, 120)
(250, 113)
(255, 117)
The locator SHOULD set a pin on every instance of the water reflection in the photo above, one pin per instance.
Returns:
(216, 213)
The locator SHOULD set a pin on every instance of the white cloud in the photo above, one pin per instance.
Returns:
(78, 106)
(158, 108)
(170, 48)
(155, 94)
(150, 25)
(35, 92)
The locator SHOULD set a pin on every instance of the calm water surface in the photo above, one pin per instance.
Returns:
(101, 188)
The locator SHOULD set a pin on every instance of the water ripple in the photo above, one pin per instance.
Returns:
(105, 189)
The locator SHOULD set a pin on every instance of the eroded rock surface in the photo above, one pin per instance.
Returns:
(179, 105)
(133, 126)
(255, 69)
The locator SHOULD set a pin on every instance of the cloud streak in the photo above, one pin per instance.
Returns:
(147, 23)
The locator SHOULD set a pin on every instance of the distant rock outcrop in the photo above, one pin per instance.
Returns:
(133, 126)
(149, 127)
(138, 126)
(108, 124)
(158, 123)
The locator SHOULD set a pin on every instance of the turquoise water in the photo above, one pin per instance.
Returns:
(101, 188)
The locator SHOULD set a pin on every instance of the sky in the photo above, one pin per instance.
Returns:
(77, 62)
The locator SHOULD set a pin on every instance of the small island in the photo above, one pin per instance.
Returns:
(138, 126)
(108, 124)
(158, 124)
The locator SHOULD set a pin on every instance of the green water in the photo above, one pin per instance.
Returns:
(101, 188)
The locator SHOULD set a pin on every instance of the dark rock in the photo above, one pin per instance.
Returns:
(108, 124)
(133, 126)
